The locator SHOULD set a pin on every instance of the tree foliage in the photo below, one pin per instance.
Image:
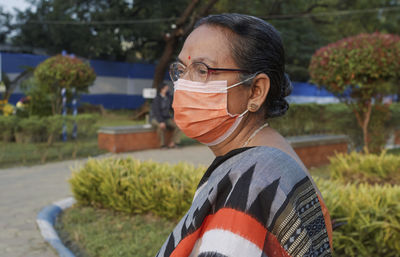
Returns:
(361, 69)
(112, 30)
(59, 72)
(5, 25)
(307, 25)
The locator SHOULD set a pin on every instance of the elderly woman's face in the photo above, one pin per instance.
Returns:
(209, 45)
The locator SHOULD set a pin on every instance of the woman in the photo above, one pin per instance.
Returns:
(256, 198)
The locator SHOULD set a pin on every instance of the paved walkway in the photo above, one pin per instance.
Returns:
(24, 191)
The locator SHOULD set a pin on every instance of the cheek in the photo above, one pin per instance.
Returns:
(237, 100)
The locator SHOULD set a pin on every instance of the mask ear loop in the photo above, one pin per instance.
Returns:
(237, 84)
(241, 82)
(243, 113)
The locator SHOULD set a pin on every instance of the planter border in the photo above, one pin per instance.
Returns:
(46, 219)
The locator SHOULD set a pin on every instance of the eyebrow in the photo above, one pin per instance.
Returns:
(179, 60)
(199, 59)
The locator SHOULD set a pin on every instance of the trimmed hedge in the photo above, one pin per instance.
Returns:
(7, 125)
(45, 129)
(372, 212)
(136, 187)
(28, 130)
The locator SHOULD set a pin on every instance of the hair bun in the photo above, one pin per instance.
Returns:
(287, 86)
(277, 108)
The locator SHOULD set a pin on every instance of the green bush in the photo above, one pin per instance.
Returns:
(54, 127)
(7, 125)
(12, 154)
(372, 214)
(39, 103)
(86, 124)
(305, 119)
(31, 129)
(136, 187)
(301, 119)
(46, 129)
(368, 168)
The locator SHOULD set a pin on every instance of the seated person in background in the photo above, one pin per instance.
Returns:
(161, 116)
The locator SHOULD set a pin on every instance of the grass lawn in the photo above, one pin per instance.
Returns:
(118, 118)
(92, 232)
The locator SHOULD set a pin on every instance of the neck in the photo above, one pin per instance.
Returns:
(246, 127)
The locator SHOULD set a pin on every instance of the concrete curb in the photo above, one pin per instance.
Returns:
(46, 220)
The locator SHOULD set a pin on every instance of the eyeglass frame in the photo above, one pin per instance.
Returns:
(209, 69)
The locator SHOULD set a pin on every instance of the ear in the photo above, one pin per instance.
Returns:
(259, 92)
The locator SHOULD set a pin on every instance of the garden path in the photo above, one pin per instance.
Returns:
(24, 191)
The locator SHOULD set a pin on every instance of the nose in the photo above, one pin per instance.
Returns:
(185, 74)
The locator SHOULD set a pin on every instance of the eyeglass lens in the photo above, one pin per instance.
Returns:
(196, 71)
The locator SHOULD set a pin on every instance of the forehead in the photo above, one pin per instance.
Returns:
(208, 44)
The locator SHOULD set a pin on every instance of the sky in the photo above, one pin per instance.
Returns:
(8, 5)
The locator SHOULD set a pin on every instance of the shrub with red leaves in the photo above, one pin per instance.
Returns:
(59, 72)
(357, 61)
(65, 72)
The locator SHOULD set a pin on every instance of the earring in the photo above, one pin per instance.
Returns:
(253, 107)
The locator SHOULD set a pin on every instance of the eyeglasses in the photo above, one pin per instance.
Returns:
(197, 71)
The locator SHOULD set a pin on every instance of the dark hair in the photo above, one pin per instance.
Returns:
(162, 86)
(257, 47)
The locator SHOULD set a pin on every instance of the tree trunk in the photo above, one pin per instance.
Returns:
(164, 61)
(58, 106)
(188, 17)
(53, 108)
(11, 85)
(50, 139)
(363, 117)
(57, 101)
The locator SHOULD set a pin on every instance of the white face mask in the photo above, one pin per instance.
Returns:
(201, 110)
